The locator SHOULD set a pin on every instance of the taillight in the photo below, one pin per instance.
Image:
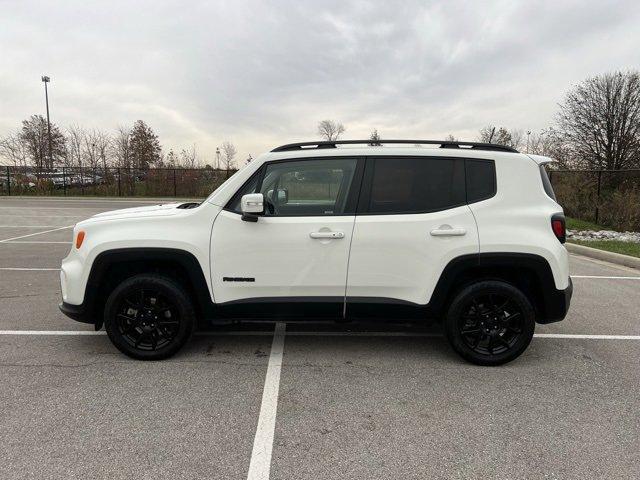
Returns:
(559, 228)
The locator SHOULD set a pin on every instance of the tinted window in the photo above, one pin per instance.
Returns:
(414, 185)
(546, 183)
(305, 187)
(481, 180)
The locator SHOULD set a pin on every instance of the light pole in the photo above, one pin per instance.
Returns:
(528, 133)
(46, 80)
(217, 158)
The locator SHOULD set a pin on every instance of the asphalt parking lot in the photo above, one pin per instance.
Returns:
(306, 401)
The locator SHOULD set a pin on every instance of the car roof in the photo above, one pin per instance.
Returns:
(413, 151)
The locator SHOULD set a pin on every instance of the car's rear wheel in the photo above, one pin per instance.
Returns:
(490, 323)
(149, 317)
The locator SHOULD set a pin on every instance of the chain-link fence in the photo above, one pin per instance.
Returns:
(607, 197)
(111, 182)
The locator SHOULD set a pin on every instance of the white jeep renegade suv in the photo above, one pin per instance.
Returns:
(466, 233)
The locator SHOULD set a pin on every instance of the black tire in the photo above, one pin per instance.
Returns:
(490, 323)
(149, 317)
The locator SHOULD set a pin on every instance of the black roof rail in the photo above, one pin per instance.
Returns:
(442, 143)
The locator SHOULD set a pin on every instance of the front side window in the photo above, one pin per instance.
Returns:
(302, 187)
(416, 185)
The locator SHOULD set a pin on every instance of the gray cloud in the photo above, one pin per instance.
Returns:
(261, 74)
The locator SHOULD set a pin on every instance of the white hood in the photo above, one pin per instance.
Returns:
(167, 209)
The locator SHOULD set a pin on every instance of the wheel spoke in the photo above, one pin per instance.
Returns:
(490, 345)
(508, 318)
(125, 317)
(503, 341)
(471, 331)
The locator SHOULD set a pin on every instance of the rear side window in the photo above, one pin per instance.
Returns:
(546, 183)
(480, 179)
(416, 185)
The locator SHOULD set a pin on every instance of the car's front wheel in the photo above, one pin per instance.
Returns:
(149, 317)
(490, 323)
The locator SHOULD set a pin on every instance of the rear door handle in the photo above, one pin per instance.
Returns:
(448, 232)
(326, 235)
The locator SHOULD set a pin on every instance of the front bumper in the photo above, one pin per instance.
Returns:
(75, 312)
(556, 304)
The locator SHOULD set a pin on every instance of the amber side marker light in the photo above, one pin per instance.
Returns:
(80, 239)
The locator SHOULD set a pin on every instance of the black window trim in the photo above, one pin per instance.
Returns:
(352, 196)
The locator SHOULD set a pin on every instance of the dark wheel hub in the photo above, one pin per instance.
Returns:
(147, 320)
(491, 324)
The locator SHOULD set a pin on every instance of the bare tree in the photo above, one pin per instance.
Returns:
(330, 130)
(76, 136)
(487, 134)
(501, 136)
(450, 138)
(98, 144)
(599, 121)
(121, 147)
(14, 149)
(374, 138)
(171, 160)
(189, 158)
(228, 154)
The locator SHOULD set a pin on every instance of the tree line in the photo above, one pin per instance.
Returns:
(597, 127)
(136, 147)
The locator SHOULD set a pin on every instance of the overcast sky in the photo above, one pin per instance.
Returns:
(264, 73)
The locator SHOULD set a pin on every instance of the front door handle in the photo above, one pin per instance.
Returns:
(326, 235)
(447, 231)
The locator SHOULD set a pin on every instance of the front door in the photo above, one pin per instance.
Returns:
(294, 258)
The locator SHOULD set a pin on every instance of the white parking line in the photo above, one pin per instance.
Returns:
(587, 336)
(258, 333)
(18, 269)
(28, 226)
(605, 277)
(36, 241)
(64, 333)
(23, 215)
(34, 234)
(260, 465)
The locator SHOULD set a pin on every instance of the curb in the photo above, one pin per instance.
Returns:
(611, 257)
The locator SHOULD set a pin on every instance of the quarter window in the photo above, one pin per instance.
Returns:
(416, 185)
(481, 180)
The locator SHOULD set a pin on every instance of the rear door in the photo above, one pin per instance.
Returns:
(412, 220)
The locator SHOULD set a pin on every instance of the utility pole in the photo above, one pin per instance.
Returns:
(46, 80)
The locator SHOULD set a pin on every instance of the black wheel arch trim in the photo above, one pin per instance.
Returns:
(551, 304)
(86, 312)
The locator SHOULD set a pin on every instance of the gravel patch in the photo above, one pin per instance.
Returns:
(633, 237)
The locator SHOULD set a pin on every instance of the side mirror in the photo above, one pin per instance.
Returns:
(251, 205)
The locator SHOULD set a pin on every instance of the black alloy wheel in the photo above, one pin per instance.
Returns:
(149, 317)
(490, 323)
(147, 320)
